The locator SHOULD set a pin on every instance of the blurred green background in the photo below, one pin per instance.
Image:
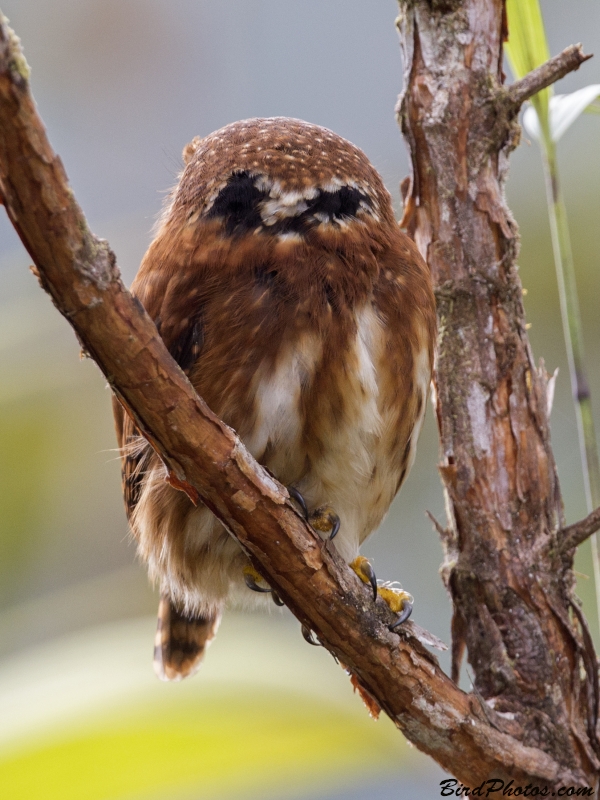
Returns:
(122, 85)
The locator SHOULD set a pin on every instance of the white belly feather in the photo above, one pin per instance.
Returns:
(357, 475)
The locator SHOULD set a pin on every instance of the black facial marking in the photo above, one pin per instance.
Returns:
(238, 203)
(343, 204)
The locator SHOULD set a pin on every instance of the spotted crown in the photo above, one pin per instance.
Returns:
(280, 176)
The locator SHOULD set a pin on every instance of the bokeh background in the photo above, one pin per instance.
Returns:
(122, 85)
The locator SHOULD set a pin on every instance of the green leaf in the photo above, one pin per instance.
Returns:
(527, 48)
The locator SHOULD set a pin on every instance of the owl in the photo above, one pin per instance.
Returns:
(283, 287)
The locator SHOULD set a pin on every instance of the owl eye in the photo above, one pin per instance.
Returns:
(238, 204)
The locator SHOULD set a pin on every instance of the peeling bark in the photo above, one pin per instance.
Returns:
(511, 583)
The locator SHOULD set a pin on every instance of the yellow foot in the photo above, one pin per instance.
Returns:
(399, 602)
(325, 520)
(252, 578)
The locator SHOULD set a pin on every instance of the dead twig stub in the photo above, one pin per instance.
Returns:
(573, 535)
(554, 69)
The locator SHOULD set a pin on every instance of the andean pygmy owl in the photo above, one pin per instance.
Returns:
(282, 285)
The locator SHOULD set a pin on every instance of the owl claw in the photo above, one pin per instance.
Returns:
(366, 573)
(308, 636)
(325, 520)
(295, 495)
(251, 577)
(336, 524)
(276, 599)
(403, 616)
(401, 603)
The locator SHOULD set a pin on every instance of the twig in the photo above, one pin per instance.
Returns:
(554, 69)
(574, 535)
(443, 532)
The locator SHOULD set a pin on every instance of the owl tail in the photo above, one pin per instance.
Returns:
(181, 640)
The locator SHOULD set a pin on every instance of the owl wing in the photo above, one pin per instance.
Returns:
(135, 455)
(182, 333)
(181, 639)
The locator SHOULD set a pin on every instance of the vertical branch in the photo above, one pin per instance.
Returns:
(512, 592)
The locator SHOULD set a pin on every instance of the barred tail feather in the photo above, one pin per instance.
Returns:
(181, 640)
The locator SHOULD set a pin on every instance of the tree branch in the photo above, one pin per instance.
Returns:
(554, 69)
(208, 461)
(574, 535)
(511, 588)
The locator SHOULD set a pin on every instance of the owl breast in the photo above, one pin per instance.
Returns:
(335, 430)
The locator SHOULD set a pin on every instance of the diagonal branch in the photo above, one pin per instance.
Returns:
(554, 69)
(207, 460)
(574, 535)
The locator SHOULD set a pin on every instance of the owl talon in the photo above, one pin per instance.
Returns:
(403, 616)
(336, 524)
(366, 573)
(251, 576)
(308, 636)
(295, 495)
(276, 599)
(325, 520)
(399, 602)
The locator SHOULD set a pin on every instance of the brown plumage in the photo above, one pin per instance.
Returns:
(281, 283)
